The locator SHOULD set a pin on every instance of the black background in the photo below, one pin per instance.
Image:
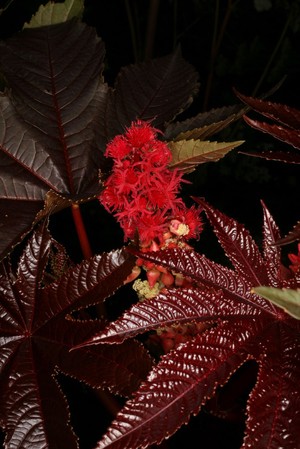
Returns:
(259, 47)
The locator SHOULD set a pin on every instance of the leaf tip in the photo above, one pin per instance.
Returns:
(55, 13)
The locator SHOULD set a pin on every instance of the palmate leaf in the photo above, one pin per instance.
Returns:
(246, 326)
(286, 128)
(238, 245)
(177, 306)
(175, 389)
(284, 125)
(37, 332)
(142, 91)
(58, 115)
(273, 405)
(49, 138)
(187, 154)
(292, 236)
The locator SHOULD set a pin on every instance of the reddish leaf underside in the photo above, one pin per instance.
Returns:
(37, 333)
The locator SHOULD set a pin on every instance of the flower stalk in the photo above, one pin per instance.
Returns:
(81, 231)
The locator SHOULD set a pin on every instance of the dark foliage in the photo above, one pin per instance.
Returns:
(60, 105)
(286, 129)
(243, 326)
(38, 331)
(55, 157)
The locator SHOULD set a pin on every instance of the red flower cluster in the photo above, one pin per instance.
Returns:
(172, 336)
(142, 191)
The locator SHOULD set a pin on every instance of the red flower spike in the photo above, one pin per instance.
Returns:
(140, 134)
(118, 148)
(142, 191)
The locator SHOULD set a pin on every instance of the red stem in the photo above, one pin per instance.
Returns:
(81, 232)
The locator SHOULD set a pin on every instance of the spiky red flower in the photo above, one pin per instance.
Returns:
(142, 191)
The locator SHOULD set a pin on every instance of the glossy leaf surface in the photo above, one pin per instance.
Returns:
(175, 389)
(38, 330)
(284, 122)
(246, 326)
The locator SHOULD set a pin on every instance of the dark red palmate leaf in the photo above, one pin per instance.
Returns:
(49, 138)
(176, 389)
(281, 113)
(58, 115)
(37, 333)
(286, 128)
(279, 156)
(273, 408)
(245, 327)
(284, 124)
(177, 306)
(293, 235)
(285, 134)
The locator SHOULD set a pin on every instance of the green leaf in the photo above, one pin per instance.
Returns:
(187, 154)
(286, 298)
(53, 13)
